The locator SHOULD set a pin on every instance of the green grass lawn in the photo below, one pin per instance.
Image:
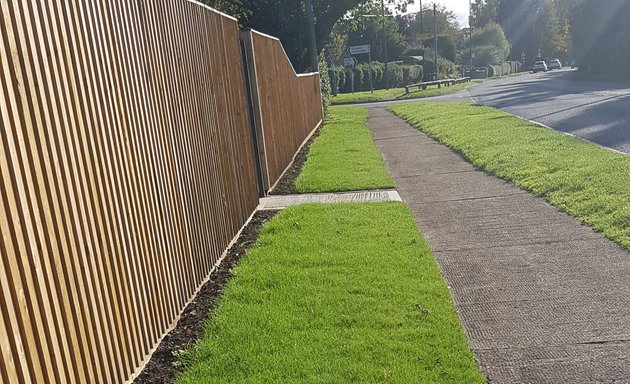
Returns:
(334, 294)
(435, 91)
(582, 179)
(399, 93)
(344, 157)
(367, 96)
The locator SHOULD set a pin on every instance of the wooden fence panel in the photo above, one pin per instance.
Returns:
(126, 167)
(287, 106)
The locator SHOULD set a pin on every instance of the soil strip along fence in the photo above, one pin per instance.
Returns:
(127, 166)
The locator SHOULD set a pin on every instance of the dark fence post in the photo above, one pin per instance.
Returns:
(251, 89)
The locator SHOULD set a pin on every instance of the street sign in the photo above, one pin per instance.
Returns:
(425, 36)
(358, 49)
(350, 62)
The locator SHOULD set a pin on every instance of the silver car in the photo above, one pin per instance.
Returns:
(539, 66)
(555, 64)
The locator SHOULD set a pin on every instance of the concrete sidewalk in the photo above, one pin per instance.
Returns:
(543, 298)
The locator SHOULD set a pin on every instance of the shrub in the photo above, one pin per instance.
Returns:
(447, 69)
(341, 78)
(324, 82)
(377, 69)
(395, 74)
(347, 86)
(362, 77)
(411, 74)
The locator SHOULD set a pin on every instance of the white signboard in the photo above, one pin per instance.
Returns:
(350, 62)
(359, 49)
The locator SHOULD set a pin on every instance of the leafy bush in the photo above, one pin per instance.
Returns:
(411, 74)
(341, 78)
(395, 74)
(378, 69)
(347, 86)
(447, 69)
(399, 75)
(324, 82)
(496, 70)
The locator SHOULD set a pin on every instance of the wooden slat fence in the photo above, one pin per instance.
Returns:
(126, 168)
(287, 106)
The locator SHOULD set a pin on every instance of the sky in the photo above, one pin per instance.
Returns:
(460, 7)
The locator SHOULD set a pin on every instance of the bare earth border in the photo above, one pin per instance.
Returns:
(161, 369)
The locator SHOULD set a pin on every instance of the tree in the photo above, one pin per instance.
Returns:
(411, 26)
(484, 12)
(553, 42)
(362, 26)
(286, 19)
(600, 37)
(488, 42)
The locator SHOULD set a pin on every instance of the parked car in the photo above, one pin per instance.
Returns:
(539, 66)
(555, 64)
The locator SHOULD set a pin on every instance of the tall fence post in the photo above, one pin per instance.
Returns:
(255, 110)
(257, 133)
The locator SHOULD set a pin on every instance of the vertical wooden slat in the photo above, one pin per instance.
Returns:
(94, 49)
(288, 105)
(126, 167)
(48, 301)
(161, 87)
(111, 319)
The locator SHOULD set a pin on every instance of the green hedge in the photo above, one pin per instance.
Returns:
(399, 75)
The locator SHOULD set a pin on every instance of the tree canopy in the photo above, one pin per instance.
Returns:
(594, 33)
(286, 19)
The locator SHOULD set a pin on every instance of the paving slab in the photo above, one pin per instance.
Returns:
(282, 201)
(542, 297)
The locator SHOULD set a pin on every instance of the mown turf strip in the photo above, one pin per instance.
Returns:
(335, 294)
(344, 157)
(435, 91)
(367, 96)
(582, 179)
(399, 93)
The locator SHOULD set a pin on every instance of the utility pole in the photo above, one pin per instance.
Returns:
(435, 35)
(422, 42)
(421, 25)
(384, 43)
(470, 27)
(310, 20)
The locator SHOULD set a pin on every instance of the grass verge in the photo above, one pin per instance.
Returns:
(398, 94)
(582, 179)
(335, 294)
(367, 96)
(343, 157)
(435, 91)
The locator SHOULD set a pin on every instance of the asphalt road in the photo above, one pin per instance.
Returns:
(598, 112)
